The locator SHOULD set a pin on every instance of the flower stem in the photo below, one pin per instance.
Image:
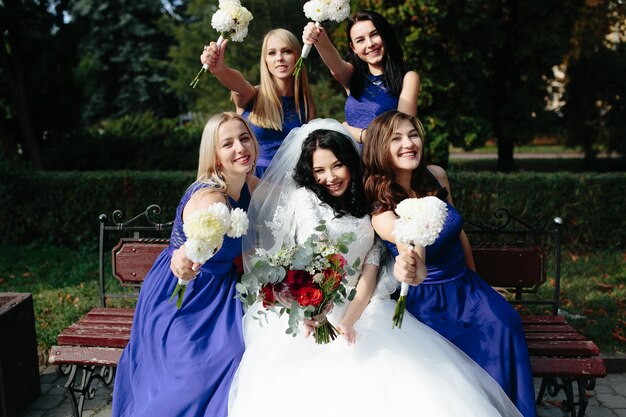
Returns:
(180, 292)
(398, 314)
(325, 333)
(298, 67)
(194, 82)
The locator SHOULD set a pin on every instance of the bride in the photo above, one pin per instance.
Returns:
(373, 370)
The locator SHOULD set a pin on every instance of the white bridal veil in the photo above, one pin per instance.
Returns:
(272, 210)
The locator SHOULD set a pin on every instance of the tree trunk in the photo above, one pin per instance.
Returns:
(504, 74)
(505, 154)
(16, 83)
(7, 142)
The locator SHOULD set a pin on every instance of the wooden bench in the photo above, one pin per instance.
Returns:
(511, 253)
(90, 349)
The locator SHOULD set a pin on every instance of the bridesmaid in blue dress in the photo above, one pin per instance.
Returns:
(280, 103)
(180, 362)
(451, 298)
(374, 73)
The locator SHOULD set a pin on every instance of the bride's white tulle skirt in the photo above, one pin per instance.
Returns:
(411, 371)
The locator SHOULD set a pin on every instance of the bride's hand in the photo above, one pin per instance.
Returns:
(309, 326)
(347, 330)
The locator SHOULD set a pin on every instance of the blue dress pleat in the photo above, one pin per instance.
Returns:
(181, 362)
(462, 307)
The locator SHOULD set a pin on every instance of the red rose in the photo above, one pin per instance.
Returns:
(310, 296)
(297, 279)
(268, 295)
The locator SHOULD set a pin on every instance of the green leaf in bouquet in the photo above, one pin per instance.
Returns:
(303, 255)
(356, 264)
(242, 291)
(321, 227)
(346, 238)
(352, 294)
(296, 316)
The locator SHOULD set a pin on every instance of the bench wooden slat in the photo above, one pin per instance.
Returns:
(548, 328)
(563, 348)
(568, 367)
(112, 312)
(555, 336)
(528, 319)
(98, 356)
(106, 328)
(107, 320)
(90, 338)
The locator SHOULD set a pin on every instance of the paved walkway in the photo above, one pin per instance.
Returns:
(608, 399)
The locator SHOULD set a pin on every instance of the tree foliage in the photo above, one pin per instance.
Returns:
(595, 109)
(38, 100)
(484, 66)
(122, 52)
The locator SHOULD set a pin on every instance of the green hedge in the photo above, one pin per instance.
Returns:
(135, 142)
(63, 207)
(591, 205)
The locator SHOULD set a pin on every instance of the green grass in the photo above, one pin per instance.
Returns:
(64, 286)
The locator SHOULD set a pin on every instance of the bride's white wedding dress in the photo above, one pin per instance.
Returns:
(412, 371)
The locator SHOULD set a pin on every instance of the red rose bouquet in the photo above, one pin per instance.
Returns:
(303, 281)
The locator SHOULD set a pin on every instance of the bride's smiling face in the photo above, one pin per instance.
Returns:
(330, 172)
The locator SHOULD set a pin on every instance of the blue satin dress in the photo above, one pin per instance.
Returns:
(181, 362)
(270, 139)
(463, 308)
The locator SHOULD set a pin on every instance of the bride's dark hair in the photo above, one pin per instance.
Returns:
(353, 200)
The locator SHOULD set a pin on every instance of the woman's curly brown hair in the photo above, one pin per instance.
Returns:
(381, 189)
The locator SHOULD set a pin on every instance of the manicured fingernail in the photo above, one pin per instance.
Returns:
(194, 268)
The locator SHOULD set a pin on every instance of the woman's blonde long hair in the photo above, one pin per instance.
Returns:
(208, 171)
(267, 111)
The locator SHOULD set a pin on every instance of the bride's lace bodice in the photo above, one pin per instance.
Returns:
(309, 210)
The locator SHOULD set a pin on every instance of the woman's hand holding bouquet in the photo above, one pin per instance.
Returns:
(420, 220)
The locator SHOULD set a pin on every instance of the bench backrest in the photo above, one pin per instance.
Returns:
(514, 254)
(136, 243)
(132, 259)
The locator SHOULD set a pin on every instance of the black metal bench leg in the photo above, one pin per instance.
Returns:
(584, 384)
(569, 404)
(78, 392)
(542, 390)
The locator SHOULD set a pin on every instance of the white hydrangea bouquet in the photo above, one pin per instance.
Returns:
(205, 230)
(231, 20)
(419, 222)
(320, 11)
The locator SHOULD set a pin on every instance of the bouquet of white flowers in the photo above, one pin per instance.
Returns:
(231, 20)
(205, 229)
(420, 220)
(320, 11)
